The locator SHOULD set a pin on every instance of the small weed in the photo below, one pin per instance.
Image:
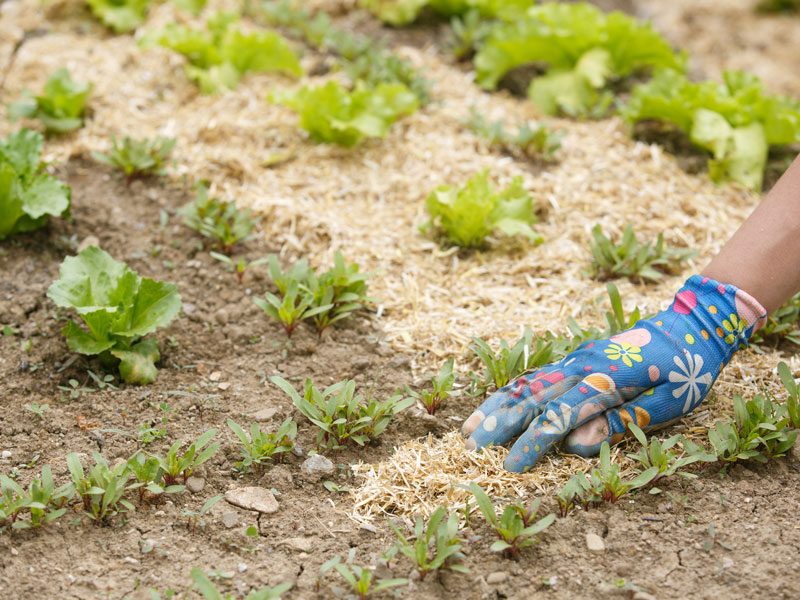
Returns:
(441, 531)
(783, 324)
(441, 388)
(75, 390)
(359, 578)
(515, 528)
(36, 409)
(713, 540)
(632, 259)
(469, 32)
(138, 158)
(195, 517)
(261, 447)
(218, 220)
(541, 142)
(210, 592)
(107, 381)
(240, 267)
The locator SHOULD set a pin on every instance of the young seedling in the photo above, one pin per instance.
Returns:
(210, 592)
(469, 32)
(103, 490)
(657, 461)
(60, 107)
(260, 448)
(573, 492)
(441, 532)
(503, 367)
(195, 517)
(293, 309)
(632, 259)
(240, 266)
(138, 158)
(515, 528)
(175, 465)
(148, 472)
(442, 388)
(218, 220)
(606, 483)
(107, 381)
(793, 401)
(359, 578)
(75, 390)
(539, 143)
(36, 409)
(43, 501)
(713, 540)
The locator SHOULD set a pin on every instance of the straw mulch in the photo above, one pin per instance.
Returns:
(369, 202)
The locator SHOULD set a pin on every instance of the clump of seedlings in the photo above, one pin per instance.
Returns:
(501, 367)
(783, 324)
(102, 491)
(516, 527)
(138, 158)
(657, 459)
(441, 388)
(219, 220)
(360, 579)
(175, 465)
(260, 448)
(539, 142)
(43, 501)
(441, 534)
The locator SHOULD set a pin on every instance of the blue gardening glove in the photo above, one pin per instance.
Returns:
(652, 374)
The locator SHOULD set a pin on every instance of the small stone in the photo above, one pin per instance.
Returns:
(265, 414)
(297, 450)
(188, 308)
(643, 596)
(224, 386)
(146, 546)
(242, 567)
(361, 364)
(368, 527)
(89, 240)
(14, 552)
(427, 420)
(298, 544)
(496, 577)
(316, 466)
(253, 498)
(727, 563)
(6, 454)
(595, 543)
(130, 560)
(230, 519)
(195, 484)
(221, 316)
(159, 513)
(215, 376)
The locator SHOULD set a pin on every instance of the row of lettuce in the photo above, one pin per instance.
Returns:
(587, 62)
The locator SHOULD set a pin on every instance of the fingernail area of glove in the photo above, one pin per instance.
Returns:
(472, 423)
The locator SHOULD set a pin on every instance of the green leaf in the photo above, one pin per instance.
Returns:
(138, 365)
(122, 16)
(204, 585)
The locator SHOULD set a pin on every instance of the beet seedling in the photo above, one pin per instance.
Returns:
(101, 492)
(441, 532)
(175, 465)
(657, 461)
(43, 501)
(194, 517)
(442, 388)
(138, 158)
(359, 578)
(574, 491)
(500, 368)
(293, 309)
(261, 447)
(632, 259)
(210, 592)
(218, 220)
(147, 471)
(606, 482)
(541, 142)
(793, 401)
(240, 266)
(783, 324)
(515, 528)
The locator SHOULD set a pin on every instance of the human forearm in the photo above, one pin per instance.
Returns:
(763, 256)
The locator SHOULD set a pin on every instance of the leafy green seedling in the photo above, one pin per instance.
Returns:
(515, 528)
(793, 401)
(107, 381)
(175, 465)
(713, 540)
(75, 389)
(123, 16)
(103, 489)
(221, 54)
(632, 259)
(340, 414)
(606, 482)
(118, 307)
(60, 107)
(783, 324)
(502, 367)
(240, 266)
(148, 472)
(657, 460)
(209, 591)
(42, 499)
(332, 114)
(195, 517)
(37, 409)
(469, 32)
(441, 531)
(441, 388)
(539, 142)
(219, 220)
(260, 447)
(138, 158)
(28, 195)
(293, 309)
(359, 578)
(572, 493)
(466, 216)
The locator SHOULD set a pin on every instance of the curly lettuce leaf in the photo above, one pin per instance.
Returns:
(118, 307)
(333, 114)
(123, 16)
(560, 35)
(469, 214)
(27, 196)
(736, 120)
(403, 12)
(60, 107)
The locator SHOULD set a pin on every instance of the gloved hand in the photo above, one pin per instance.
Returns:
(652, 374)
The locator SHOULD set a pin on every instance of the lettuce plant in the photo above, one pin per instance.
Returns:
(123, 16)
(60, 107)
(333, 114)
(468, 215)
(28, 196)
(221, 54)
(118, 307)
(585, 50)
(736, 121)
(403, 12)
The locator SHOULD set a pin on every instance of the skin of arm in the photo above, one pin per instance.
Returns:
(763, 256)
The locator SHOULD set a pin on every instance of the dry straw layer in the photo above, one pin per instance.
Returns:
(369, 202)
